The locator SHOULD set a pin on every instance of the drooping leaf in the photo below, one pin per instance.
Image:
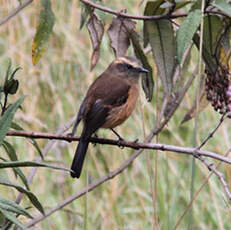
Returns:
(12, 155)
(7, 117)
(196, 6)
(184, 34)
(30, 164)
(35, 144)
(43, 32)
(118, 33)
(12, 218)
(29, 194)
(85, 11)
(11, 206)
(31, 140)
(162, 41)
(96, 31)
(147, 79)
(151, 8)
(223, 6)
(213, 28)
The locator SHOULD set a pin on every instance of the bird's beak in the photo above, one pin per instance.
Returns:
(142, 70)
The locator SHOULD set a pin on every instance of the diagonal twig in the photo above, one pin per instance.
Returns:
(15, 11)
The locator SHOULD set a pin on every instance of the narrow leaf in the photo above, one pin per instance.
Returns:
(147, 79)
(31, 140)
(11, 206)
(6, 119)
(30, 164)
(162, 41)
(44, 30)
(184, 34)
(13, 219)
(35, 144)
(118, 33)
(85, 11)
(151, 8)
(96, 31)
(213, 28)
(223, 6)
(29, 194)
(12, 155)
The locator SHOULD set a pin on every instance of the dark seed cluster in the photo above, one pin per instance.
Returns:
(218, 88)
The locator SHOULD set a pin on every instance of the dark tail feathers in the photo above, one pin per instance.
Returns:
(79, 157)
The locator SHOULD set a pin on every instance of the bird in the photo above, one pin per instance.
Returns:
(109, 101)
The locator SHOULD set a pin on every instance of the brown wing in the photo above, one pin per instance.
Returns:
(103, 95)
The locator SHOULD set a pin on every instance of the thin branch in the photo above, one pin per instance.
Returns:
(220, 176)
(155, 17)
(129, 144)
(124, 15)
(15, 11)
(197, 193)
(213, 131)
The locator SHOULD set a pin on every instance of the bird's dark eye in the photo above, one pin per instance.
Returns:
(129, 66)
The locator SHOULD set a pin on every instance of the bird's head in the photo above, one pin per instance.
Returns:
(126, 67)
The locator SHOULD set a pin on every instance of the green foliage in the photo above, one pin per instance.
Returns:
(29, 194)
(44, 30)
(147, 79)
(184, 34)
(6, 119)
(223, 5)
(161, 37)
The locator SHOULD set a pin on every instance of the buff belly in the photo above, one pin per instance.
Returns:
(119, 114)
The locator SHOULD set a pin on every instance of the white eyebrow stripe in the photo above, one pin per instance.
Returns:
(124, 60)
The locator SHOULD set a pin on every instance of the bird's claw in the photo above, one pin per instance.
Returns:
(69, 135)
(119, 142)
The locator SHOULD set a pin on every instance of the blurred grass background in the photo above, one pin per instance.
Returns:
(55, 88)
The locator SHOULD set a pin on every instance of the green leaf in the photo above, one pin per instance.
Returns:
(213, 28)
(35, 144)
(184, 34)
(11, 206)
(85, 11)
(31, 140)
(6, 119)
(12, 155)
(196, 6)
(30, 164)
(147, 79)
(223, 6)
(44, 30)
(163, 44)
(29, 194)
(13, 219)
(151, 8)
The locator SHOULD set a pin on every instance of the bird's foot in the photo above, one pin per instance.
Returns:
(119, 142)
(70, 135)
(136, 140)
(95, 136)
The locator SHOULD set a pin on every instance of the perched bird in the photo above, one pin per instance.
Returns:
(109, 101)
